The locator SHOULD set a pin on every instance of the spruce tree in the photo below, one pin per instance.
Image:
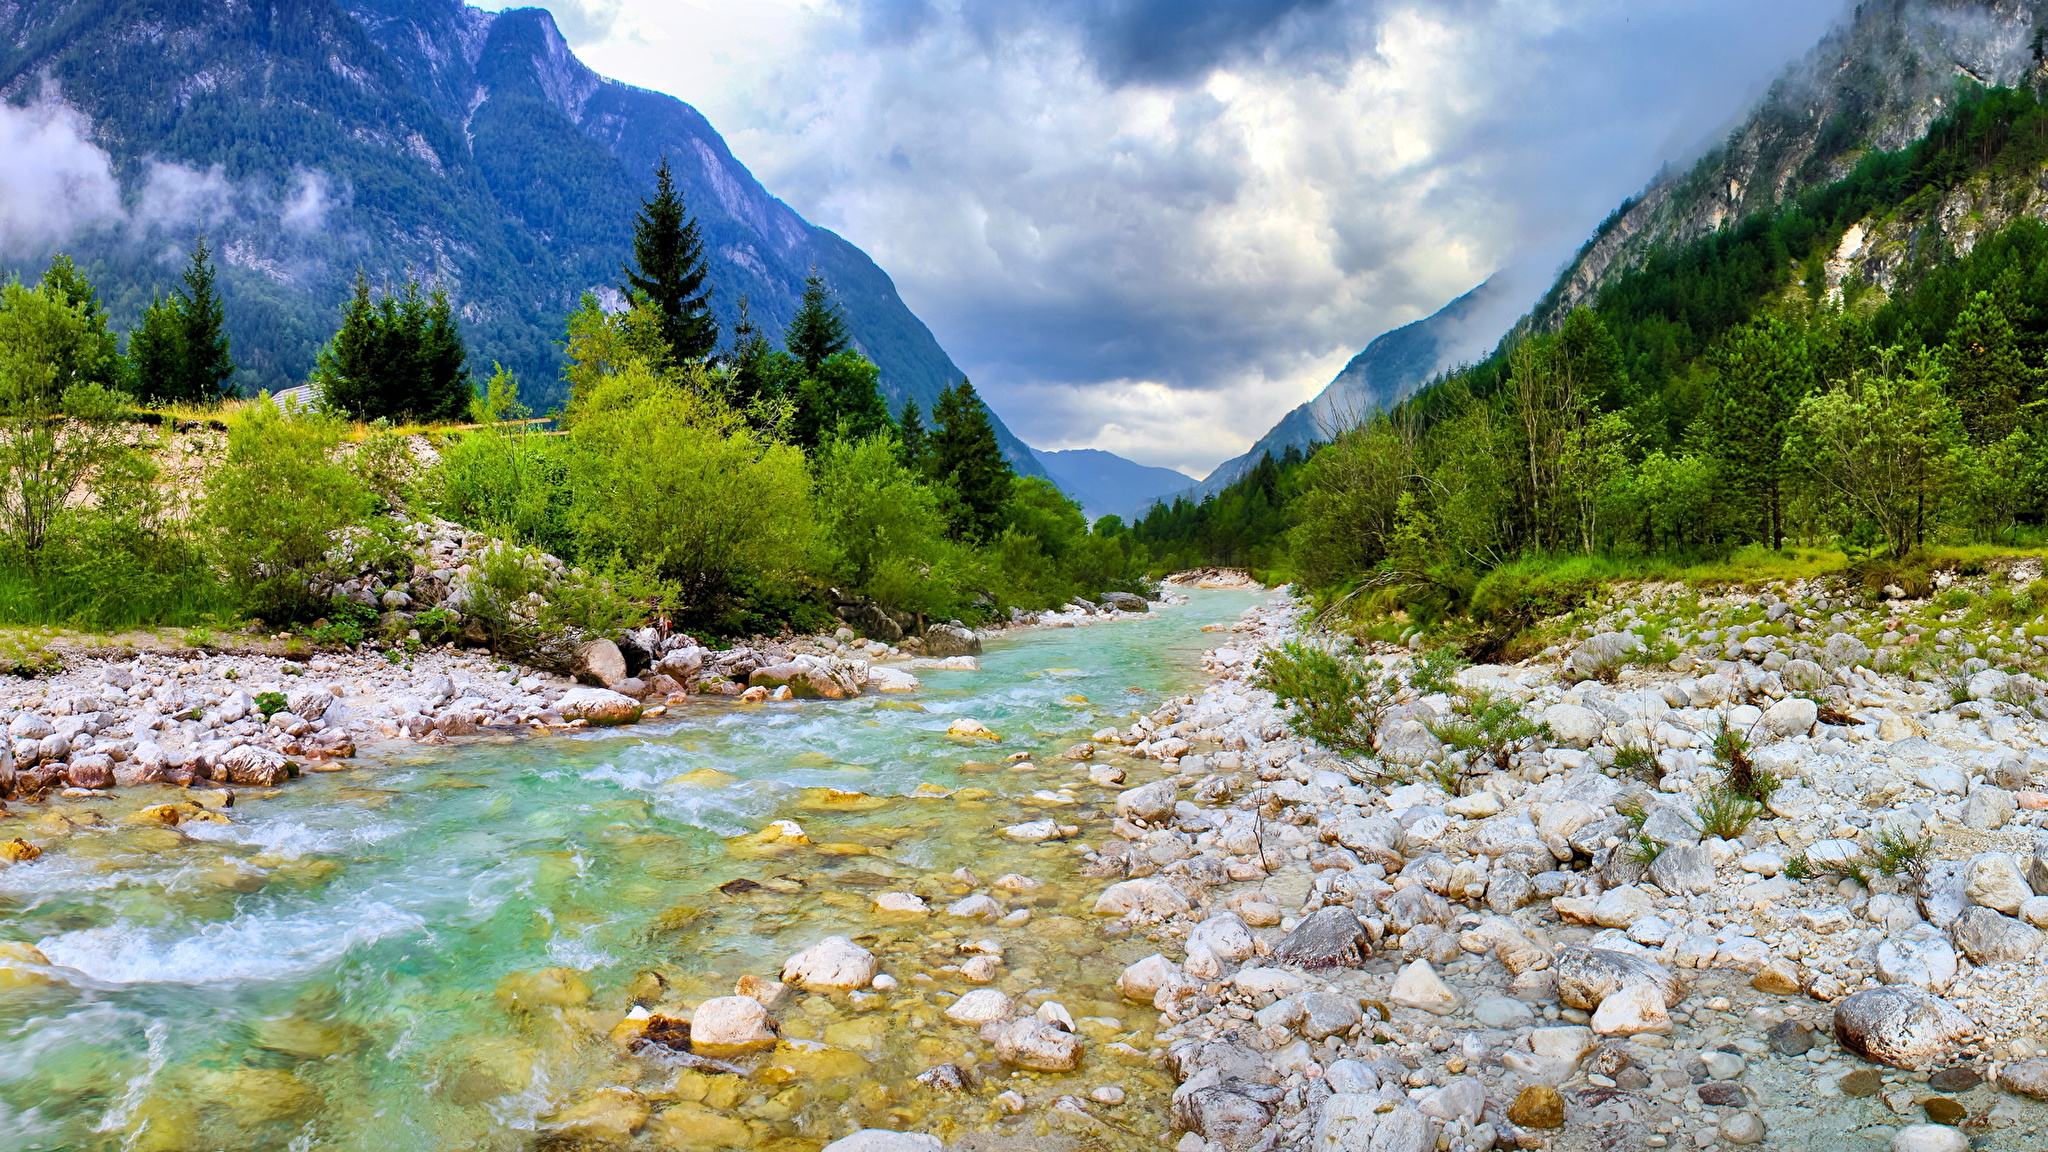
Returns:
(1987, 377)
(1762, 372)
(347, 370)
(208, 363)
(180, 349)
(910, 438)
(755, 370)
(397, 358)
(671, 273)
(818, 332)
(965, 455)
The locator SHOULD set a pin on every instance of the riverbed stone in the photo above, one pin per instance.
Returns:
(943, 640)
(1326, 938)
(600, 663)
(1355, 1122)
(598, 706)
(1537, 1106)
(1418, 986)
(1995, 882)
(1901, 1026)
(1152, 801)
(1632, 1011)
(1988, 937)
(2027, 1077)
(1929, 1138)
(833, 964)
(1586, 976)
(725, 1025)
(883, 1140)
(981, 1006)
(1038, 1045)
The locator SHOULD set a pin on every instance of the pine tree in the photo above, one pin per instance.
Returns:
(670, 254)
(347, 371)
(755, 370)
(1762, 372)
(1987, 376)
(818, 332)
(910, 438)
(96, 356)
(156, 347)
(396, 358)
(208, 362)
(965, 455)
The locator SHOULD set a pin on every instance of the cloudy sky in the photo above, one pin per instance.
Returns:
(1153, 226)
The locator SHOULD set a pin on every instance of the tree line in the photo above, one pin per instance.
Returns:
(1730, 393)
(732, 484)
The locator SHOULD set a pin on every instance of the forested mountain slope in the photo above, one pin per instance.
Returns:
(1875, 84)
(313, 138)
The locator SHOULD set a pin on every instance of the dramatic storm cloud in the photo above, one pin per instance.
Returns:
(1153, 226)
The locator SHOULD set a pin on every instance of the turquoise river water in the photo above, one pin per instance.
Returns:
(434, 948)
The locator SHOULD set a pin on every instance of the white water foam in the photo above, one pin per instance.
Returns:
(245, 948)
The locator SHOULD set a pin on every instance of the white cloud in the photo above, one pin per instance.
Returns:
(55, 182)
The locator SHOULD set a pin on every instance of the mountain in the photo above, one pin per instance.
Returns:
(1876, 83)
(1106, 484)
(1390, 369)
(312, 138)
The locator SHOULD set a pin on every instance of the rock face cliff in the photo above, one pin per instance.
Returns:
(313, 138)
(1876, 83)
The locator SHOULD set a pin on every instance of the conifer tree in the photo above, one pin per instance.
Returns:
(1987, 377)
(818, 332)
(965, 455)
(1762, 372)
(910, 438)
(396, 358)
(180, 349)
(208, 362)
(754, 368)
(669, 253)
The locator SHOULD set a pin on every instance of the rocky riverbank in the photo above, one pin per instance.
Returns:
(1564, 954)
(252, 720)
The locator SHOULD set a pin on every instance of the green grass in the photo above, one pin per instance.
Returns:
(55, 600)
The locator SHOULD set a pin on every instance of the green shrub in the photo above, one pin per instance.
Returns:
(271, 703)
(346, 624)
(674, 483)
(884, 533)
(272, 506)
(1726, 813)
(1640, 763)
(1436, 671)
(1337, 700)
(513, 483)
(1489, 726)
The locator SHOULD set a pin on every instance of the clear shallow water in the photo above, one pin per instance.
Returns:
(349, 963)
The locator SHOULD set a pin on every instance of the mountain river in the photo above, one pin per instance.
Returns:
(429, 950)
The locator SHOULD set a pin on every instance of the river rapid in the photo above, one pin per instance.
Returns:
(430, 949)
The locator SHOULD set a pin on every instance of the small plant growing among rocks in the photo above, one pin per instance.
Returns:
(1489, 726)
(1639, 763)
(1436, 671)
(1338, 701)
(1898, 854)
(1726, 813)
(271, 703)
(1739, 776)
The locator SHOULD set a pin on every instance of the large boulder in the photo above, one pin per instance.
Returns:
(1901, 1026)
(943, 640)
(600, 664)
(1231, 1113)
(1355, 1122)
(1329, 937)
(1792, 716)
(811, 678)
(1039, 1045)
(1601, 656)
(1586, 976)
(599, 706)
(1572, 725)
(1152, 801)
(1125, 602)
(834, 964)
(725, 1025)
(1988, 937)
(253, 766)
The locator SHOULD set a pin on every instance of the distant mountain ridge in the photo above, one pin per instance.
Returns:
(311, 138)
(1388, 371)
(1877, 82)
(1106, 484)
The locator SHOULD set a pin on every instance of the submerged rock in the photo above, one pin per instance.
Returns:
(832, 964)
(1901, 1026)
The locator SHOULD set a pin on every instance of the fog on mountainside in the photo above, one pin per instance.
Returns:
(399, 137)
